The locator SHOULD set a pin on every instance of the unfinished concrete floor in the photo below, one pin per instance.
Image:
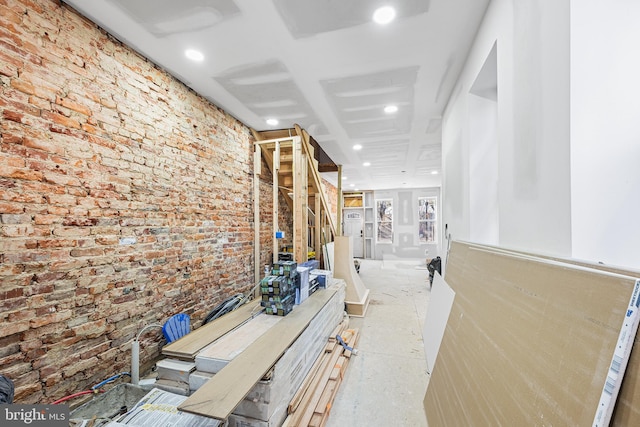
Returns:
(385, 383)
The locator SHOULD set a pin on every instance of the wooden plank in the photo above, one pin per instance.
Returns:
(188, 346)
(302, 417)
(274, 203)
(326, 399)
(302, 390)
(220, 395)
(318, 366)
(219, 353)
(257, 169)
(317, 245)
(352, 343)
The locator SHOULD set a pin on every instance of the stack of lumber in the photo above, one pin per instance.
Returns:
(187, 347)
(312, 402)
(241, 392)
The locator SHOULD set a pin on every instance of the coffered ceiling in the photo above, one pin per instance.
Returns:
(322, 64)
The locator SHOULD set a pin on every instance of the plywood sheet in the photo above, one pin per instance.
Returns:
(188, 346)
(528, 341)
(220, 395)
(627, 407)
(440, 303)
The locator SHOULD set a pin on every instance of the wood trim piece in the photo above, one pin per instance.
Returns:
(257, 169)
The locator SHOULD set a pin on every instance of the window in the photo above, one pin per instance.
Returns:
(384, 220)
(427, 219)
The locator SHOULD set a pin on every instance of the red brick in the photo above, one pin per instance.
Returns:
(14, 328)
(75, 106)
(23, 86)
(61, 120)
(13, 293)
(50, 318)
(79, 366)
(13, 116)
(43, 145)
(14, 208)
(18, 173)
(87, 252)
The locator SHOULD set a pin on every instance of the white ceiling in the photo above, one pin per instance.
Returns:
(322, 64)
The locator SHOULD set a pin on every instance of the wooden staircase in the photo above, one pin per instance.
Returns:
(292, 158)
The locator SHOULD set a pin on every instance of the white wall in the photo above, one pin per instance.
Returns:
(533, 184)
(484, 224)
(605, 130)
(406, 242)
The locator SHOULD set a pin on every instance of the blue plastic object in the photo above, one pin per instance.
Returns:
(176, 327)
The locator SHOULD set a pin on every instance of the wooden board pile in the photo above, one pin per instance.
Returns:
(312, 402)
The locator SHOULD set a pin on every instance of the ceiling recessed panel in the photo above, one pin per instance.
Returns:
(385, 152)
(268, 90)
(359, 101)
(164, 17)
(429, 158)
(306, 18)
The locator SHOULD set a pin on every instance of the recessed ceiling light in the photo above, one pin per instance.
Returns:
(384, 15)
(194, 55)
(352, 185)
(272, 122)
(434, 172)
(366, 164)
(357, 147)
(389, 109)
(344, 177)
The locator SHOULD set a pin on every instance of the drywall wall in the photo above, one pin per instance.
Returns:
(484, 225)
(605, 130)
(405, 240)
(532, 128)
(530, 341)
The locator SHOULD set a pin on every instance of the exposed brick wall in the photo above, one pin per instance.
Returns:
(331, 194)
(124, 198)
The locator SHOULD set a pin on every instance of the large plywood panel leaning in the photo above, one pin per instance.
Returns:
(627, 407)
(530, 341)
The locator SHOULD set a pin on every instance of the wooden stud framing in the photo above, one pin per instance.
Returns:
(276, 187)
(295, 175)
(317, 242)
(257, 169)
(300, 204)
(339, 219)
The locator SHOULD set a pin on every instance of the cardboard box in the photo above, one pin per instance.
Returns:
(174, 370)
(303, 288)
(324, 277)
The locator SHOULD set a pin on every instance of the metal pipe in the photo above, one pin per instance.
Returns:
(135, 354)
